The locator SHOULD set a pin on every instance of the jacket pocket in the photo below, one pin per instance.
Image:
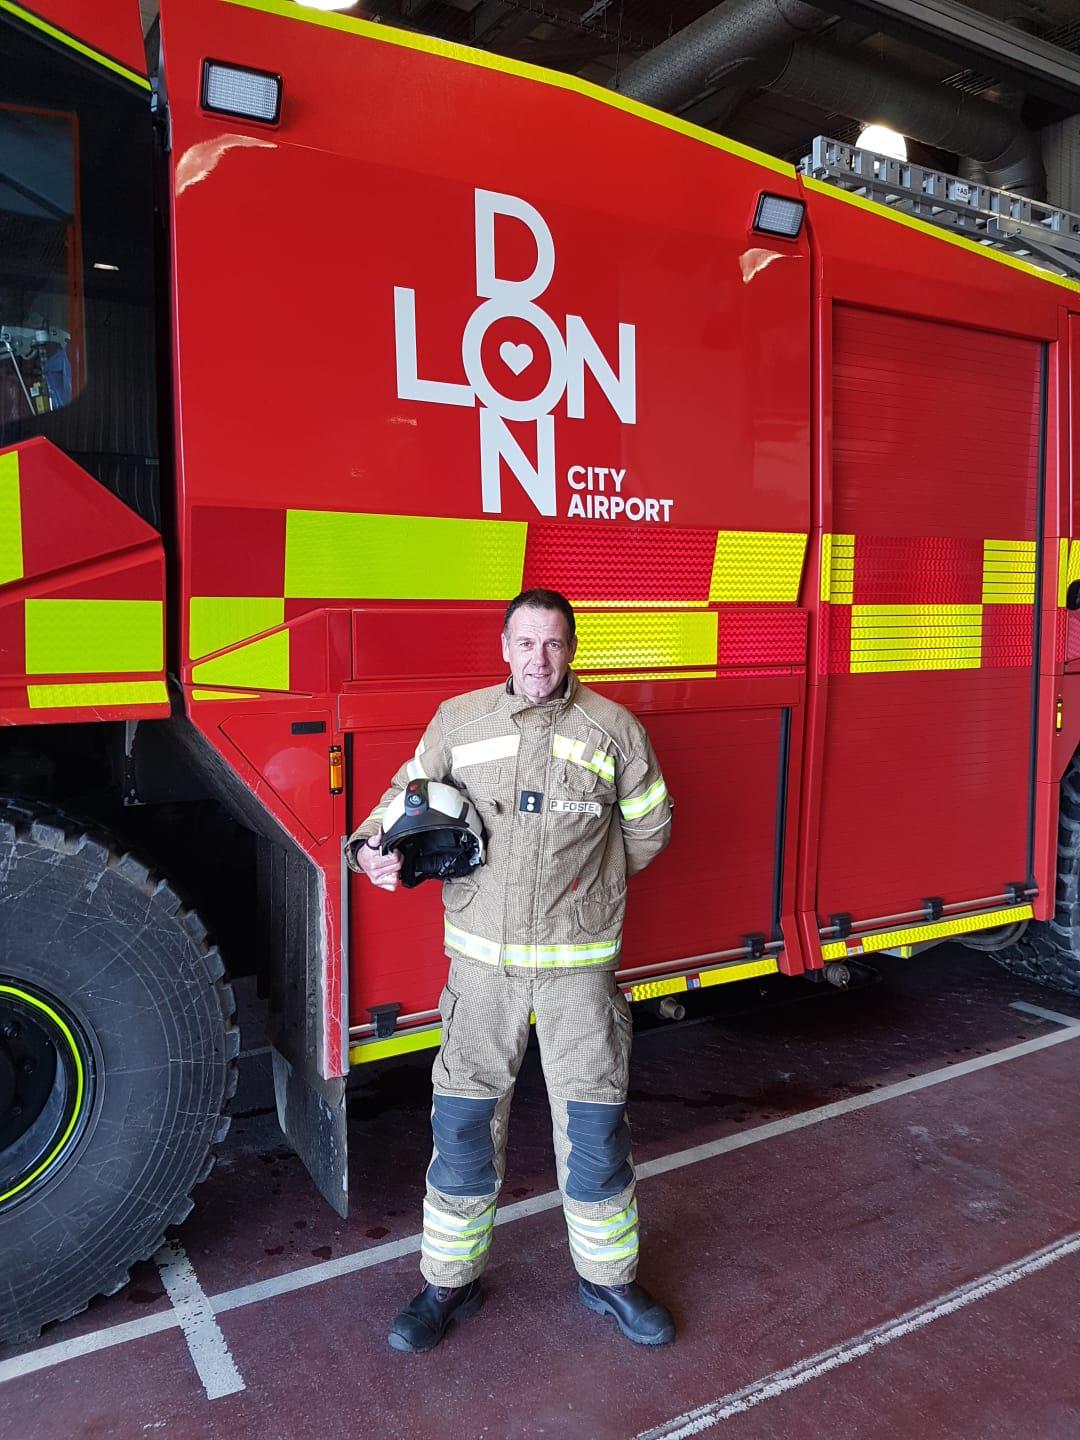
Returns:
(600, 912)
(479, 782)
(458, 895)
(577, 783)
(482, 785)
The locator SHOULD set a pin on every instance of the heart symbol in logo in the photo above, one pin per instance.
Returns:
(515, 357)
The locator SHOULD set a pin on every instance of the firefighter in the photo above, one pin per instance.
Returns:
(573, 802)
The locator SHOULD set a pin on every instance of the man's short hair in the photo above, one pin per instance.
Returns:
(542, 600)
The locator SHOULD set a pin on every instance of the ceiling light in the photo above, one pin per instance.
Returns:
(104, 265)
(883, 141)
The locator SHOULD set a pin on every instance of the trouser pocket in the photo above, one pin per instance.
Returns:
(585, 1033)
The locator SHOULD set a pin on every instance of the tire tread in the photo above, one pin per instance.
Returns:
(51, 830)
(1048, 952)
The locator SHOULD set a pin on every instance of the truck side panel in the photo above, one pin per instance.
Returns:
(931, 614)
(82, 597)
(937, 607)
(107, 32)
(433, 356)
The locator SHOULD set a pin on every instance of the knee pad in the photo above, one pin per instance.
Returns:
(464, 1162)
(598, 1164)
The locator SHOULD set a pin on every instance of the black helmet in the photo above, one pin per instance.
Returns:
(436, 831)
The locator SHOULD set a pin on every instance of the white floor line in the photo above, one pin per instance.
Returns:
(1055, 1015)
(209, 1350)
(693, 1422)
(291, 1281)
(738, 1141)
(89, 1344)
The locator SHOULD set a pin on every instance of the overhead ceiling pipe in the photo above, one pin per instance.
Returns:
(736, 34)
(870, 89)
(740, 32)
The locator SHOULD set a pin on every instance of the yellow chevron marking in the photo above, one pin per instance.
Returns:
(623, 639)
(1008, 572)
(757, 566)
(919, 934)
(895, 638)
(838, 569)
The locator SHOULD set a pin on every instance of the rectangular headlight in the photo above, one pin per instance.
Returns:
(777, 215)
(234, 90)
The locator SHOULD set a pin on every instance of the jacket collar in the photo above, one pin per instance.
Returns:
(517, 703)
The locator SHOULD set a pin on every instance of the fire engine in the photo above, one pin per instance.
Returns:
(321, 343)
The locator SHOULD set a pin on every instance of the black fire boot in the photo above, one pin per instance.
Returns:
(422, 1324)
(639, 1317)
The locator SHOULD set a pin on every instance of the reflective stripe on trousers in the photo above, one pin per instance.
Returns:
(583, 1027)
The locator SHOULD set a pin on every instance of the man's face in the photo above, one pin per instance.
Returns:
(538, 648)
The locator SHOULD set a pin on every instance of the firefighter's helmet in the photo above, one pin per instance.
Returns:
(436, 831)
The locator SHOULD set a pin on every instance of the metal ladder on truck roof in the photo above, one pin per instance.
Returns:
(998, 219)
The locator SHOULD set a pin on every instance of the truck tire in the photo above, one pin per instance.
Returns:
(999, 938)
(1048, 952)
(118, 1057)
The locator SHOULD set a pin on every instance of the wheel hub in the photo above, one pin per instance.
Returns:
(7, 1082)
(45, 1087)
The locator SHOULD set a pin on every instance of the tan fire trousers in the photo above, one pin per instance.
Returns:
(584, 1030)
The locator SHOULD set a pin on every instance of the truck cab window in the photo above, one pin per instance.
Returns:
(40, 279)
(77, 297)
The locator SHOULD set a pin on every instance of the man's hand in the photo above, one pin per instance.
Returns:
(365, 857)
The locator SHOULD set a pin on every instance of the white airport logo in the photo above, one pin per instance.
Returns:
(596, 491)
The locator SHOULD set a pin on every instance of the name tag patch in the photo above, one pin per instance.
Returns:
(576, 807)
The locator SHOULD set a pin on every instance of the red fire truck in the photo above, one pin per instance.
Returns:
(315, 349)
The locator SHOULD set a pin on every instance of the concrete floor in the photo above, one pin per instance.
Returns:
(861, 1207)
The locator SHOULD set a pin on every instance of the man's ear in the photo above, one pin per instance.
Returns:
(505, 647)
(573, 649)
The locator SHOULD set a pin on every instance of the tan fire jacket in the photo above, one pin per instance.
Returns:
(572, 801)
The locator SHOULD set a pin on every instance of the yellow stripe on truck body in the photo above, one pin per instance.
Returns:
(757, 566)
(215, 621)
(838, 569)
(218, 621)
(262, 664)
(62, 37)
(627, 640)
(1068, 567)
(86, 637)
(11, 549)
(97, 693)
(1008, 572)
(426, 1037)
(340, 555)
(915, 637)
(920, 934)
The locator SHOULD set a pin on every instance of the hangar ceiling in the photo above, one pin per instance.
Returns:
(780, 71)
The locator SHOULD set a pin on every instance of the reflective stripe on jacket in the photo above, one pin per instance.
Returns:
(573, 802)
